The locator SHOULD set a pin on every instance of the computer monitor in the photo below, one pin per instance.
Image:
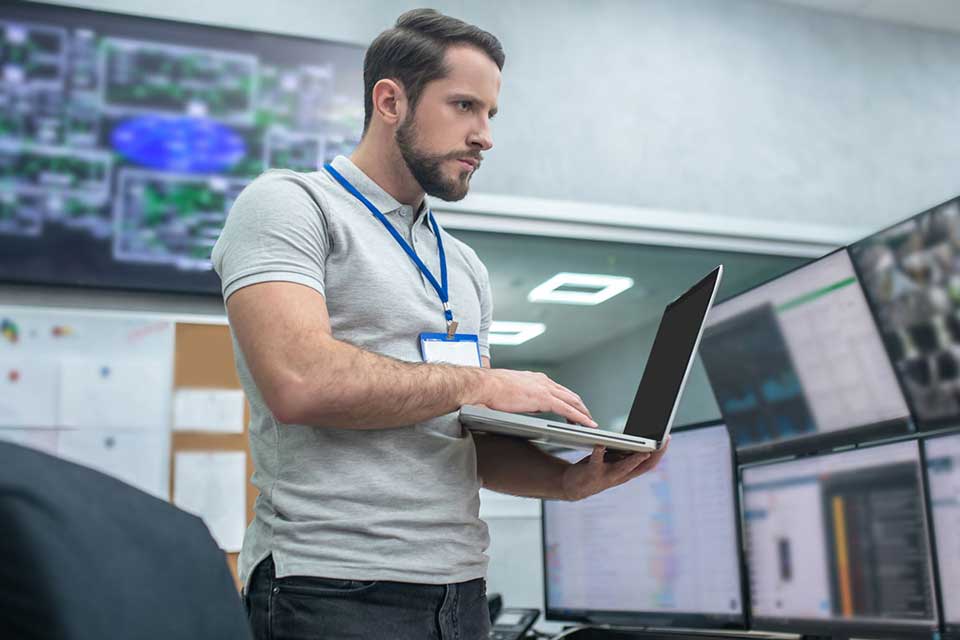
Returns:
(125, 140)
(911, 274)
(943, 479)
(797, 364)
(662, 549)
(839, 543)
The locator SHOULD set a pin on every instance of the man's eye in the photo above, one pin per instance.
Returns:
(464, 105)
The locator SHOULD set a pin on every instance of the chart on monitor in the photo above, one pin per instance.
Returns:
(800, 357)
(840, 539)
(664, 544)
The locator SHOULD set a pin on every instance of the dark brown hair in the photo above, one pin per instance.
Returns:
(412, 53)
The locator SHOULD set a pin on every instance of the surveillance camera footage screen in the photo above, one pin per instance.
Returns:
(911, 273)
(841, 537)
(124, 141)
(800, 356)
(664, 543)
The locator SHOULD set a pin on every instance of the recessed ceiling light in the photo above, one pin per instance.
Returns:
(514, 333)
(580, 288)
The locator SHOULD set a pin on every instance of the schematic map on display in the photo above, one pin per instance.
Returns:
(124, 141)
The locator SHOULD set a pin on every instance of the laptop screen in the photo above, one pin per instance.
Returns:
(670, 357)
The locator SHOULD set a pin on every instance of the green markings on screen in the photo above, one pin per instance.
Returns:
(813, 295)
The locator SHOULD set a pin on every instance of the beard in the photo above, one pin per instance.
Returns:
(427, 169)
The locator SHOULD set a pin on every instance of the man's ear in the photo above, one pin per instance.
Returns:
(389, 101)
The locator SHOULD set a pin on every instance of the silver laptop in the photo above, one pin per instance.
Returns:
(657, 398)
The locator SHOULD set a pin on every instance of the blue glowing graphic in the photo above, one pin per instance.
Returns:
(182, 144)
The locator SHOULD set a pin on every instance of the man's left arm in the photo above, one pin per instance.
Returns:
(515, 466)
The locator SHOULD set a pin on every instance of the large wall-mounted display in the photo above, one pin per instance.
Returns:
(125, 140)
(911, 273)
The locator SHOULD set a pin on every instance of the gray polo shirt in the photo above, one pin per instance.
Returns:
(382, 504)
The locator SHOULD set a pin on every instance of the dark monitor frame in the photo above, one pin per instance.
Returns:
(842, 629)
(32, 10)
(920, 425)
(653, 618)
(822, 442)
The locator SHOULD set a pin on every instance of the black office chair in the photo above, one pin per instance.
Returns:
(85, 556)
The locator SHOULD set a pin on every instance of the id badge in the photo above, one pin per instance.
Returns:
(463, 349)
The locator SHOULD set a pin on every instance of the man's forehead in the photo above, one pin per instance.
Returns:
(470, 70)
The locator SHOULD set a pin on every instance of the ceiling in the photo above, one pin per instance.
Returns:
(943, 15)
(518, 263)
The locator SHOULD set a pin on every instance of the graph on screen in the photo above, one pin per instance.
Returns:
(840, 537)
(800, 356)
(664, 542)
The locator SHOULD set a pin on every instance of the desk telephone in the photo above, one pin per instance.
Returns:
(509, 623)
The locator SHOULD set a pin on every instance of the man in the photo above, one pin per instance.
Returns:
(367, 521)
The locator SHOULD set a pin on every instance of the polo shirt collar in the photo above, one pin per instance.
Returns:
(373, 192)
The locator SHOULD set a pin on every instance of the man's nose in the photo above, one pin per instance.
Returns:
(482, 139)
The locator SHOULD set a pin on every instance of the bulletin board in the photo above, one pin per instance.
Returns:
(203, 358)
(105, 389)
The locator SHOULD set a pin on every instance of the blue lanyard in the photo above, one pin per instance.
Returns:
(441, 287)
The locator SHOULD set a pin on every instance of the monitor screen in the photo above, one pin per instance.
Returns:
(124, 140)
(943, 477)
(799, 358)
(664, 544)
(839, 538)
(911, 273)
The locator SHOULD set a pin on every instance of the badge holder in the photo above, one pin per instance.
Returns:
(462, 349)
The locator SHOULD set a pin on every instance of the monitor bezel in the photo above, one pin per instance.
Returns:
(822, 442)
(654, 618)
(921, 425)
(854, 628)
(35, 10)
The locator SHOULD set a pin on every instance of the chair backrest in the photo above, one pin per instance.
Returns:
(83, 555)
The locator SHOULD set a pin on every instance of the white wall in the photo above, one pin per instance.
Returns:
(731, 107)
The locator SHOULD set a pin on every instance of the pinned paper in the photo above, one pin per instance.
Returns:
(214, 410)
(29, 392)
(213, 486)
(44, 440)
(140, 459)
(114, 394)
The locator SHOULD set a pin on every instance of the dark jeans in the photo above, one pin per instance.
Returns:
(300, 607)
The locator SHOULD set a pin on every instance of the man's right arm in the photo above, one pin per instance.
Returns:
(307, 376)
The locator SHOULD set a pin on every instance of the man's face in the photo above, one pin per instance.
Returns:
(442, 140)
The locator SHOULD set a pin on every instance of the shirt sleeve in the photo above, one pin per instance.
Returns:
(275, 231)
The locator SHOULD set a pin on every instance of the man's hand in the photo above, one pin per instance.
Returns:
(530, 392)
(592, 475)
